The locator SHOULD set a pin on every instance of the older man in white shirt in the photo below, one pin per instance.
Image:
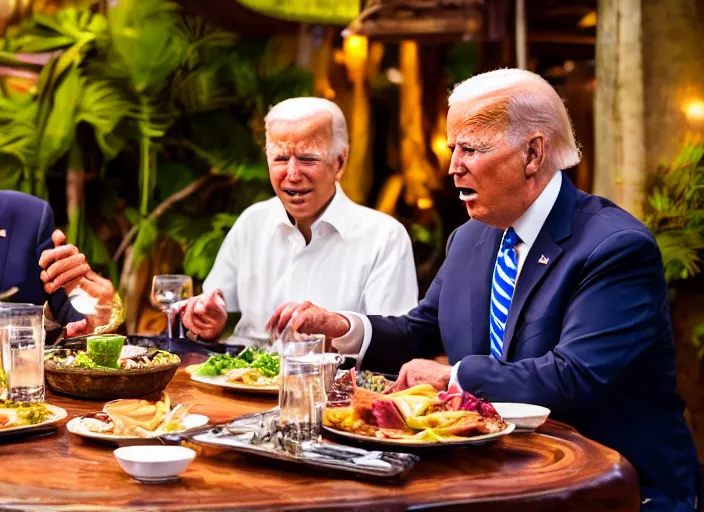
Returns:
(311, 242)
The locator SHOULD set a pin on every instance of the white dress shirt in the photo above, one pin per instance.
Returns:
(358, 259)
(527, 228)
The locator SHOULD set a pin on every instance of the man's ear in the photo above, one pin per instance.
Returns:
(340, 165)
(534, 156)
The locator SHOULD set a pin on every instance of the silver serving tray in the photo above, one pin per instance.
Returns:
(252, 434)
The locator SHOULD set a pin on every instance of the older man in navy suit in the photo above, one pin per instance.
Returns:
(547, 295)
(35, 259)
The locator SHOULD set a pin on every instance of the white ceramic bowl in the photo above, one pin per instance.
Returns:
(154, 463)
(525, 416)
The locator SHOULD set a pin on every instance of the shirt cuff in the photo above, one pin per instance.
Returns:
(454, 380)
(354, 343)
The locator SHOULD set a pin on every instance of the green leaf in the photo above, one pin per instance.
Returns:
(57, 134)
(287, 83)
(133, 216)
(224, 221)
(185, 229)
(148, 41)
(681, 252)
(200, 256)
(199, 91)
(172, 177)
(10, 173)
(104, 105)
(147, 236)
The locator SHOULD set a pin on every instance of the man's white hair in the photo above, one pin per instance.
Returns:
(297, 109)
(531, 104)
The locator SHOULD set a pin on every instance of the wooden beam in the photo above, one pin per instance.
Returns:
(559, 37)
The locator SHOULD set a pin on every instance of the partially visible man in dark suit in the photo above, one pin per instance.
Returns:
(35, 258)
(547, 296)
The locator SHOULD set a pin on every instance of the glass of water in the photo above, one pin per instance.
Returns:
(22, 337)
(302, 390)
(168, 289)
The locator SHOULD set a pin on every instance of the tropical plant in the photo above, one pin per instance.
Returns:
(151, 120)
(676, 215)
(676, 218)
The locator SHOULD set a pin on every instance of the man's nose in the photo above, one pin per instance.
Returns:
(293, 172)
(456, 165)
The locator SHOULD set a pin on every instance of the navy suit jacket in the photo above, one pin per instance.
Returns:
(29, 223)
(588, 334)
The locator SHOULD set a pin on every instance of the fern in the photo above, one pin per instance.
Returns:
(676, 215)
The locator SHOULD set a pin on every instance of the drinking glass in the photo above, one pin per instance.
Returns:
(301, 390)
(22, 338)
(168, 289)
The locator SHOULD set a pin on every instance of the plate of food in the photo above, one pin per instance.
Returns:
(416, 417)
(252, 370)
(20, 417)
(134, 421)
(109, 369)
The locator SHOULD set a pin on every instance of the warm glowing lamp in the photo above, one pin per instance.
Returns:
(424, 203)
(694, 110)
(356, 47)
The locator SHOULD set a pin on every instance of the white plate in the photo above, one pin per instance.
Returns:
(527, 417)
(221, 381)
(57, 414)
(475, 440)
(75, 426)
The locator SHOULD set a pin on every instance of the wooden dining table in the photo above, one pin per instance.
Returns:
(553, 469)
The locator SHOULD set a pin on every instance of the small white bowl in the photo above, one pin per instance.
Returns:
(154, 463)
(525, 416)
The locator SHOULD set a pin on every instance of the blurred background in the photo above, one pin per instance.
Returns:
(141, 121)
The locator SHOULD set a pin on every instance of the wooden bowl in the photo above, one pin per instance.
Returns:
(108, 384)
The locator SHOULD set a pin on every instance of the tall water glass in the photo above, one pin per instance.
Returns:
(302, 390)
(168, 289)
(22, 338)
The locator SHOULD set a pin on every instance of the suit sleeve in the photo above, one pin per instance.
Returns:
(618, 311)
(397, 340)
(59, 304)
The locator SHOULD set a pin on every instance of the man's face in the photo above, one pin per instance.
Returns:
(488, 171)
(302, 169)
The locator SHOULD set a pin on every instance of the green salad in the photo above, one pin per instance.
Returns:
(266, 362)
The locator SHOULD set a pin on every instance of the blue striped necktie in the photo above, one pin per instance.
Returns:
(502, 285)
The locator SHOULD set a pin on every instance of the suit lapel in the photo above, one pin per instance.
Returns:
(486, 249)
(542, 256)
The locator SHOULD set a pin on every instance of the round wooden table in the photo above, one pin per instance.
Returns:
(555, 469)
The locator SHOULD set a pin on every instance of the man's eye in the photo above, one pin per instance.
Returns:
(281, 159)
(468, 149)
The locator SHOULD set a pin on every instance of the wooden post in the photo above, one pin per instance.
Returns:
(521, 45)
(619, 172)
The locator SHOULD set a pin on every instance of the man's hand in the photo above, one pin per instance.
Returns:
(98, 287)
(63, 266)
(205, 315)
(422, 371)
(308, 318)
(79, 328)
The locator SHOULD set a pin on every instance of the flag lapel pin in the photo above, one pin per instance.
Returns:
(543, 260)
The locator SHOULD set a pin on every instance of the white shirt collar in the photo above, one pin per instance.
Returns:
(531, 222)
(335, 214)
